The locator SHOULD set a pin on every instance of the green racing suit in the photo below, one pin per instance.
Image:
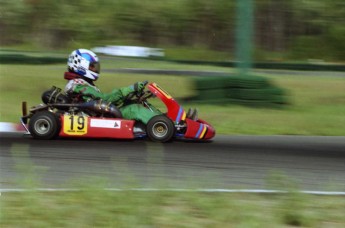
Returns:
(117, 97)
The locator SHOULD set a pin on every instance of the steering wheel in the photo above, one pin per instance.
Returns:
(138, 96)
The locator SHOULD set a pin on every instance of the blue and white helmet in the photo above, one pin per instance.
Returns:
(85, 63)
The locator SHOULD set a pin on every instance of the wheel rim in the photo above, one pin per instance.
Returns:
(42, 126)
(160, 129)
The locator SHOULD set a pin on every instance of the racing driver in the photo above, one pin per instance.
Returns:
(84, 69)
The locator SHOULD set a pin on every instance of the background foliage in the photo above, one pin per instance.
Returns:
(284, 29)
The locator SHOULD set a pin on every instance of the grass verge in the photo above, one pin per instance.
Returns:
(93, 206)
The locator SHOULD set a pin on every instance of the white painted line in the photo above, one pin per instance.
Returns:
(210, 190)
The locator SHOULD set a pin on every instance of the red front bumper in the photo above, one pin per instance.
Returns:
(199, 129)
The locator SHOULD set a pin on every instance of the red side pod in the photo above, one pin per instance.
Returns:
(199, 129)
(93, 127)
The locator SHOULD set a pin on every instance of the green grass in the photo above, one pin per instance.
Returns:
(94, 207)
(317, 103)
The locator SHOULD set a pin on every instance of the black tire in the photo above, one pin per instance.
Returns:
(160, 129)
(44, 125)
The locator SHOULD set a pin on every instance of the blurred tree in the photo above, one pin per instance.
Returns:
(13, 23)
(305, 29)
(213, 23)
(273, 21)
(318, 29)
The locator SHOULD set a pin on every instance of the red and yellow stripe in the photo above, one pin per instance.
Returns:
(201, 132)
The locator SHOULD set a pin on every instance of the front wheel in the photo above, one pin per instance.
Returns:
(160, 129)
(44, 125)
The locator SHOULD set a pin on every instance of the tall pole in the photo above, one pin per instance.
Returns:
(244, 35)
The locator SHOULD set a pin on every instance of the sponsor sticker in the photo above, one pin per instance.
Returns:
(162, 91)
(105, 123)
(75, 125)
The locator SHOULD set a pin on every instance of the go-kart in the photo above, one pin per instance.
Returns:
(61, 116)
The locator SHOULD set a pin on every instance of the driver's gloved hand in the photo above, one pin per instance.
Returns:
(138, 86)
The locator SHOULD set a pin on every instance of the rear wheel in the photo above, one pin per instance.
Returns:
(44, 125)
(160, 129)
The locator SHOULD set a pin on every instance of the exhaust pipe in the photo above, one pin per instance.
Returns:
(97, 106)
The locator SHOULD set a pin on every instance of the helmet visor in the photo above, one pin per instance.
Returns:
(95, 67)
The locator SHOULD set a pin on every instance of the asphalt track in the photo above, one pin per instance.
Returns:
(228, 162)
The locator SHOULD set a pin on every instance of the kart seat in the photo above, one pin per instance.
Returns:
(54, 95)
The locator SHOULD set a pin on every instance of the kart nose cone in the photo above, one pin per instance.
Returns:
(211, 132)
(199, 130)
